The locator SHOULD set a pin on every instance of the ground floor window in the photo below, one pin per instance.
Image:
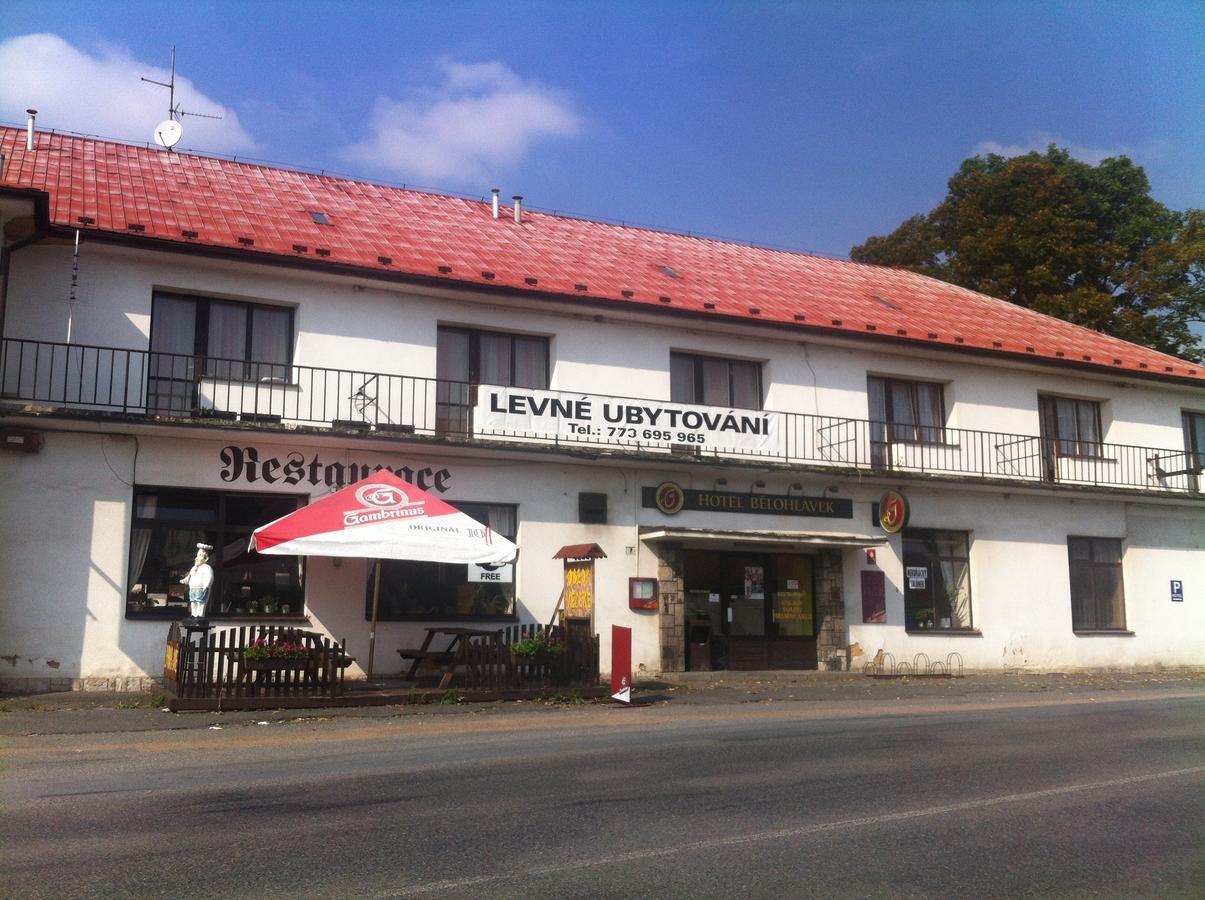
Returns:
(937, 579)
(168, 523)
(443, 591)
(1097, 596)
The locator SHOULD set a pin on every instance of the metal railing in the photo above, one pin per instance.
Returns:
(143, 383)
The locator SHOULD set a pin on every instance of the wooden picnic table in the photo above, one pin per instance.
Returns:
(447, 658)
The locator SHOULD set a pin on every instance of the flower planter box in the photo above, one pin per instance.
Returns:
(277, 665)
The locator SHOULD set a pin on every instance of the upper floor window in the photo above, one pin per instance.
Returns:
(465, 357)
(1194, 447)
(1070, 427)
(238, 340)
(1097, 595)
(203, 337)
(714, 381)
(912, 411)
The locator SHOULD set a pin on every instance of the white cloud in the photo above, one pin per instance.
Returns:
(1040, 140)
(479, 119)
(103, 95)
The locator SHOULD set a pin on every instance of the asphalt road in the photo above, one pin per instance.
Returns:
(1068, 798)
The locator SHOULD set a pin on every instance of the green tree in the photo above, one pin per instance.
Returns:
(1085, 243)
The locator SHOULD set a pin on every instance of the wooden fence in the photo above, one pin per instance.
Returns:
(216, 666)
(490, 663)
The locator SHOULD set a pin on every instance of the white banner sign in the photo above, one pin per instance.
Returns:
(495, 573)
(522, 412)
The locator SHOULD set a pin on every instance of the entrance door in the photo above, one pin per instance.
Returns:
(756, 611)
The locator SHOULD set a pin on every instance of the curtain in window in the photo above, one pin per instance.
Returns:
(531, 362)
(903, 410)
(716, 387)
(746, 386)
(681, 378)
(956, 580)
(929, 413)
(494, 366)
(502, 519)
(876, 391)
(227, 340)
(270, 337)
(140, 542)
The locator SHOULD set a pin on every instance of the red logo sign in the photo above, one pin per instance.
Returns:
(381, 502)
(669, 498)
(893, 511)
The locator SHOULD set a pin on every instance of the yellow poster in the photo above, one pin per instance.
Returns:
(579, 589)
(793, 613)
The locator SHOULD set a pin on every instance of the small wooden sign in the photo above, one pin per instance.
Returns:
(171, 660)
(579, 588)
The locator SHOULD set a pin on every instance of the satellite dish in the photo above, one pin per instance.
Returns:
(168, 133)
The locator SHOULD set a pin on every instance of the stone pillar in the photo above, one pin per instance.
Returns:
(832, 635)
(672, 607)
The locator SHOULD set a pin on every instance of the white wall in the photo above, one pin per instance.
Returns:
(366, 325)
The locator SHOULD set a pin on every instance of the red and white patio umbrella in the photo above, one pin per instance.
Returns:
(383, 517)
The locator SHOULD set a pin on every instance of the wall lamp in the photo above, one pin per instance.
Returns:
(795, 487)
(757, 484)
(720, 482)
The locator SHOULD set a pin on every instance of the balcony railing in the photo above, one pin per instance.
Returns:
(141, 383)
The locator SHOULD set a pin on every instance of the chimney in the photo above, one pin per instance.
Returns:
(495, 192)
(518, 198)
(33, 114)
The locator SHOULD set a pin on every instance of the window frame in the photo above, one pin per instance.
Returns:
(1194, 452)
(1092, 564)
(1071, 447)
(698, 360)
(456, 398)
(222, 534)
(912, 623)
(441, 572)
(251, 367)
(895, 432)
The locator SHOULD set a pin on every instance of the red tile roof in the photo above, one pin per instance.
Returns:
(263, 211)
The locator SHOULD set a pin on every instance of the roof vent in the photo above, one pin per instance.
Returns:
(580, 287)
(518, 198)
(134, 226)
(445, 269)
(488, 276)
(321, 251)
(997, 344)
(754, 311)
(838, 322)
(709, 305)
(627, 294)
(883, 301)
(666, 270)
(959, 339)
(188, 233)
(320, 218)
(85, 220)
(300, 248)
(385, 260)
(532, 281)
(800, 317)
(902, 332)
(246, 241)
(494, 203)
(33, 114)
(932, 335)
(870, 327)
(664, 299)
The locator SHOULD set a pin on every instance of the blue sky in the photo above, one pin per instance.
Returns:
(808, 126)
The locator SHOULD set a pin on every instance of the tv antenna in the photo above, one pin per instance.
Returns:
(170, 130)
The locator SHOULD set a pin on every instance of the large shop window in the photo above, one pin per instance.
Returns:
(937, 580)
(1194, 449)
(446, 591)
(715, 381)
(465, 358)
(203, 337)
(1097, 595)
(168, 523)
(1070, 427)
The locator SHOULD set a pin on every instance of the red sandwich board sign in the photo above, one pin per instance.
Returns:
(621, 664)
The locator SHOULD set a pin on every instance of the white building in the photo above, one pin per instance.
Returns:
(232, 340)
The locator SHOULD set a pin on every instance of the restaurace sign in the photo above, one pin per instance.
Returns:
(503, 411)
(245, 464)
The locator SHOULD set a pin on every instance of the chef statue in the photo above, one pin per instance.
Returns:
(199, 580)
